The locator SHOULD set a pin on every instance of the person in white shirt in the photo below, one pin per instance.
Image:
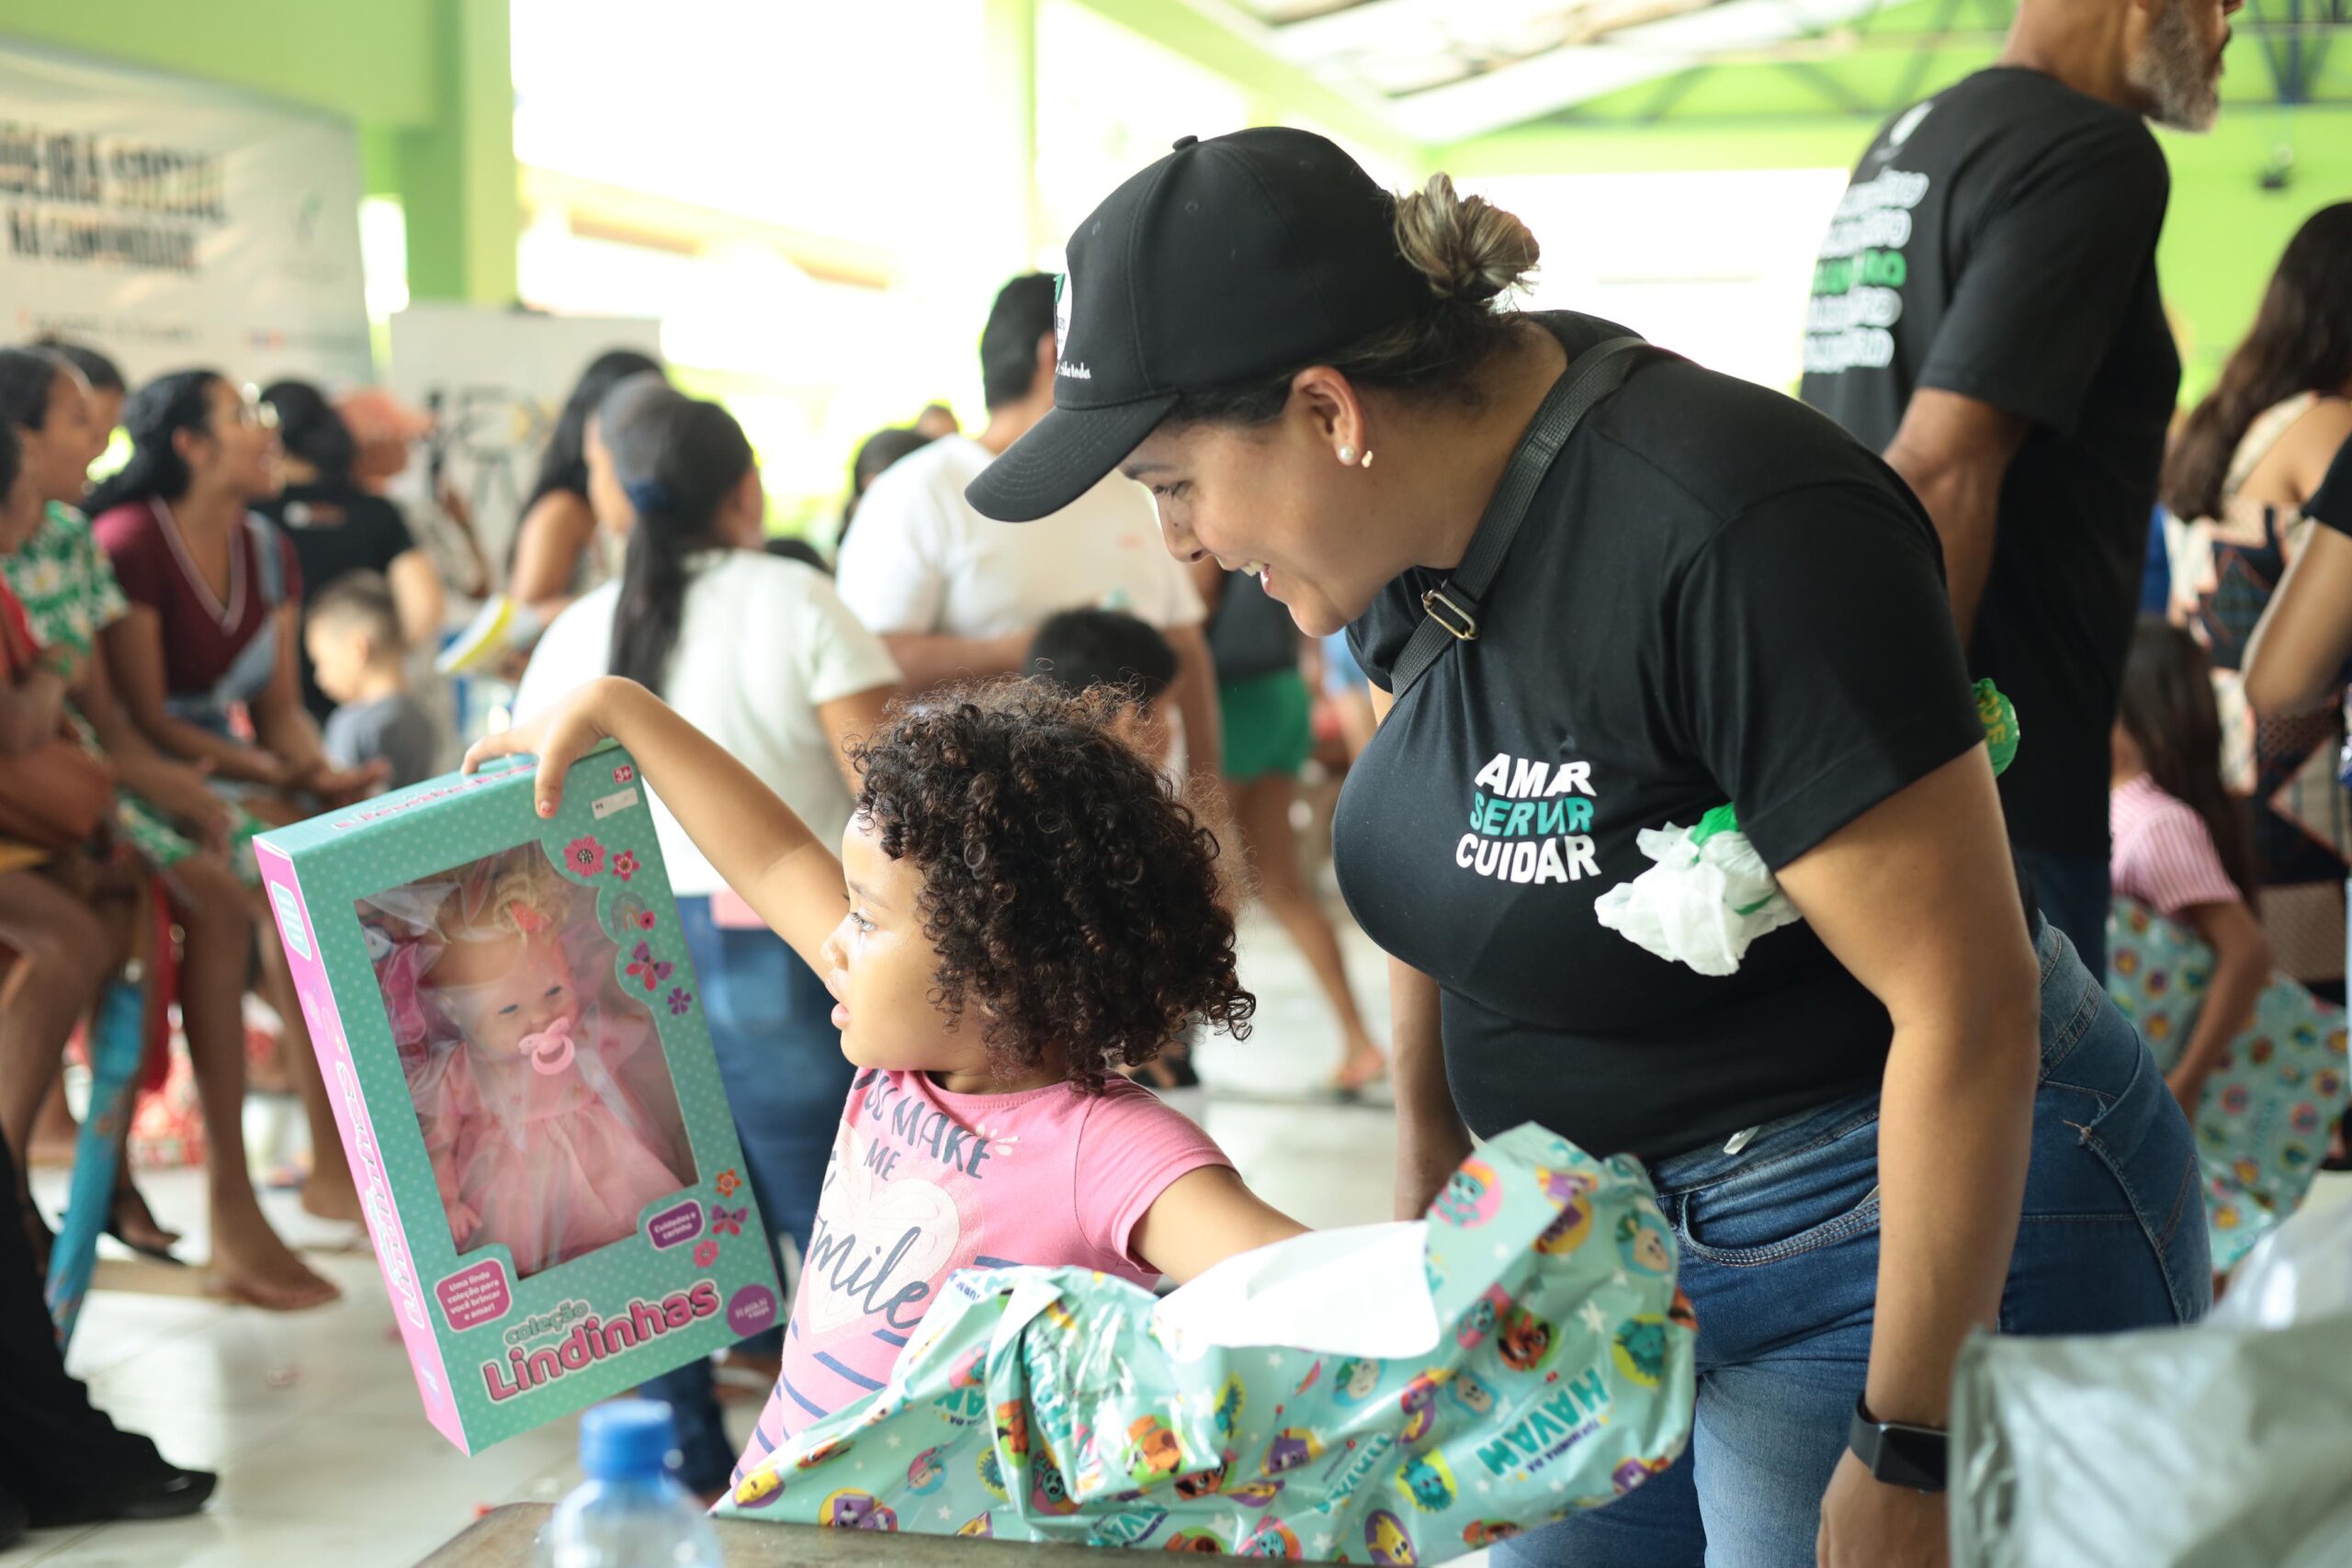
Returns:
(957, 597)
(760, 654)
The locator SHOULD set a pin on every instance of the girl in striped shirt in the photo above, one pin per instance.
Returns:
(2182, 844)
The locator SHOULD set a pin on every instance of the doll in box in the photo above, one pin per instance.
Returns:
(542, 1092)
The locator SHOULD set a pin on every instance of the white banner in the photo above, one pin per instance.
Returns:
(494, 381)
(172, 223)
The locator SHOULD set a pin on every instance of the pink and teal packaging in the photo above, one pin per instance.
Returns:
(2262, 1126)
(528, 1278)
(1391, 1394)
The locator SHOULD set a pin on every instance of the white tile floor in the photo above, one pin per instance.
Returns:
(313, 1420)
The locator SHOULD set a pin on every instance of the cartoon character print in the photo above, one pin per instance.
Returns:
(992, 1475)
(1012, 1427)
(1048, 1494)
(823, 1453)
(1476, 1397)
(980, 1528)
(1639, 1351)
(1484, 1314)
(1471, 1196)
(1486, 1532)
(1385, 1538)
(1271, 1539)
(1419, 1403)
(1643, 1242)
(1633, 1471)
(759, 1489)
(1205, 1483)
(1197, 1542)
(1230, 1401)
(1355, 1381)
(1569, 1188)
(849, 1509)
(924, 1476)
(1255, 1494)
(1293, 1447)
(1156, 1450)
(1527, 1341)
(1682, 1313)
(1429, 1481)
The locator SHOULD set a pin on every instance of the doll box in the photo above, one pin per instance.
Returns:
(549, 1170)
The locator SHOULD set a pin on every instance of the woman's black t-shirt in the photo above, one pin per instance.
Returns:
(1717, 594)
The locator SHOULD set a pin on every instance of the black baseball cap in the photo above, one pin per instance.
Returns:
(1234, 257)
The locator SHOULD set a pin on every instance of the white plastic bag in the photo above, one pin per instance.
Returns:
(1708, 895)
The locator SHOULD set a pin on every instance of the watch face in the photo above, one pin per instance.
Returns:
(1913, 1457)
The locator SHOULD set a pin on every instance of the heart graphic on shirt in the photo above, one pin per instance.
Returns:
(861, 1220)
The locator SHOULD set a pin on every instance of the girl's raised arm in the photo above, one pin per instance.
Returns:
(749, 835)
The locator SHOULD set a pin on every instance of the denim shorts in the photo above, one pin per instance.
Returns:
(1779, 1242)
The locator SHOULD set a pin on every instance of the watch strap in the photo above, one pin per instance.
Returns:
(1899, 1453)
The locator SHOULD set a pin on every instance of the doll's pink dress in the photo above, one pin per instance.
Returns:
(550, 1155)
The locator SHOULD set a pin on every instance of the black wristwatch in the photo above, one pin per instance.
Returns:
(1898, 1454)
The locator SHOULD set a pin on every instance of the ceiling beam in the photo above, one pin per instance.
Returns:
(1223, 39)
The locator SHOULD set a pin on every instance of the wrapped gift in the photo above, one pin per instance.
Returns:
(1392, 1394)
(513, 1039)
(2262, 1126)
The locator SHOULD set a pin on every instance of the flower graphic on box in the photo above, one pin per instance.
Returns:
(584, 856)
(643, 967)
(706, 1253)
(729, 1183)
(681, 1000)
(625, 864)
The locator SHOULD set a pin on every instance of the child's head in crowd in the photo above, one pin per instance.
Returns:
(2168, 726)
(353, 636)
(1028, 899)
(1085, 650)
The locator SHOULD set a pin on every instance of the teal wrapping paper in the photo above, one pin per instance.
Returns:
(1396, 1394)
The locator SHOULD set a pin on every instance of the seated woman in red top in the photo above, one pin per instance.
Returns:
(214, 626)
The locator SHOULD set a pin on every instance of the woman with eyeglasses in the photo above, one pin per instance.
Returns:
(215, 596)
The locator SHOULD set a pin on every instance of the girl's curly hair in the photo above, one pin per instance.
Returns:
(1070, 895)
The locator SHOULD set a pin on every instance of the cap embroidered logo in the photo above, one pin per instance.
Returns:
(1062, 366)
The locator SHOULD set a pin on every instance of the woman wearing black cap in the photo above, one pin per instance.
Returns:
(1702, 592)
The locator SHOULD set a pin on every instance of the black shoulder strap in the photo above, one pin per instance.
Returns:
(1454, 608)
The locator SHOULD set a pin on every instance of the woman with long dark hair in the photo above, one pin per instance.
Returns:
(337, 525)
(177, 826)
(555, 557)
(759, 654)
(214, 624)
(2181, 843)
(2236, 484)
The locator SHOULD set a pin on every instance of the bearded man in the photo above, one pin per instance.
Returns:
(1985, 312)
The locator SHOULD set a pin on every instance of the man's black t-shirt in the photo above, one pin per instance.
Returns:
(1999, 242)
(1717, 595)
(335, 529)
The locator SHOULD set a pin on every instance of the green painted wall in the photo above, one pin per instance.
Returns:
(369, 59)
(427, 83)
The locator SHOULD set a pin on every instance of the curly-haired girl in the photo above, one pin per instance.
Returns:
(1028, 908)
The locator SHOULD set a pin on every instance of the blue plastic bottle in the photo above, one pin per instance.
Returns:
(629, 1513)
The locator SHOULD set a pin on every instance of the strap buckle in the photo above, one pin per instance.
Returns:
(1453, 617)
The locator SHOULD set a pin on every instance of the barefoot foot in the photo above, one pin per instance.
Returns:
(252, 1265)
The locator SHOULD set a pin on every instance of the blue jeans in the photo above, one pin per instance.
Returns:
(780, 1060)
(1780, 1257)
(2072, 893)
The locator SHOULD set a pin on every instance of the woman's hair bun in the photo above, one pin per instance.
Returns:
(1468, 247)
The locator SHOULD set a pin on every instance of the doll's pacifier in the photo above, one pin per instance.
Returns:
(551, 1048)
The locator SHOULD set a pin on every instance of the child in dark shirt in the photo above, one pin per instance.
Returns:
(356, 646)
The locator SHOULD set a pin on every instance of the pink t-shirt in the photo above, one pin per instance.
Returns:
(2163, 855)
(925, 1182)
